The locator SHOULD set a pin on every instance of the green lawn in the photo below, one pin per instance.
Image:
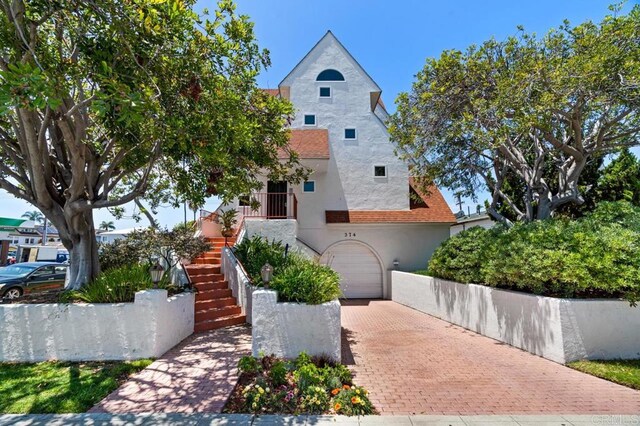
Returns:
(624, 372)
(55, 387)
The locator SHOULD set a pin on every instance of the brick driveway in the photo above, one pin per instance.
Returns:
(196, 376)
(414, 363)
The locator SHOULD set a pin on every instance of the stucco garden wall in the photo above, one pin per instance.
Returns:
(239, 283)
(146, 328)
(562, 330)
(286, 329)
(284, 230)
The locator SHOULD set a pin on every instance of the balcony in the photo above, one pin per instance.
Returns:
(269, 205)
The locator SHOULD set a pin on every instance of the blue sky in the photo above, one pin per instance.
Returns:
(391, 40)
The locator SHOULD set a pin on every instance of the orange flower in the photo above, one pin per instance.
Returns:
(337, 406)
(335, 391)
(347, 387)
(355, 400)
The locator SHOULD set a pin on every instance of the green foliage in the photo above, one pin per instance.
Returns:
(278, 373)
(620, 179)
(353, 401)
(57, 387)
(306, 281)
(118, 285)
(255, 252)
(524, 117)
(595, 256)
(227, 220)
(270, 385)
(249, 365)
(149, 244)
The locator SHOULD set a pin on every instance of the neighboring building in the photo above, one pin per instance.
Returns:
(466, 221)
(116, 234)
(355, 211)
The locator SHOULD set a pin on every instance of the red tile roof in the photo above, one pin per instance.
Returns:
(308, 143)
(272, 92)
(432, 209)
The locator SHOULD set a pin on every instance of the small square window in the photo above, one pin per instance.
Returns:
(379, 171)
(325, 92)
(349, 133)
(309, 186)
(309, 120)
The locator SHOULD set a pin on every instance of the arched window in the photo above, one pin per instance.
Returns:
(330, 75)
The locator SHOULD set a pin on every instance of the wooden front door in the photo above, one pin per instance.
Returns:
(277, 199)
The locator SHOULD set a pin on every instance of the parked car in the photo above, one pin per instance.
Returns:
(31, 277)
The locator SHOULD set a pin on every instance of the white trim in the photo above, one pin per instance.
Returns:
(344, 134)
(314, 187)
(325, 87)
(304, 119)
(386, 171)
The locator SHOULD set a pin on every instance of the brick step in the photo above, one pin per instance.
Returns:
(212, 253)
(218, 285)
(220, 240)
(206, 278)
(213, 294)
(203, 269)
(217, 303)
(219, 323)
(215, 313)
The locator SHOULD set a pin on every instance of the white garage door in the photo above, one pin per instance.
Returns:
(359, 269)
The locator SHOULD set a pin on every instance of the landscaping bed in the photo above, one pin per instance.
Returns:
(55, 387)
(625, 372)
(306, 385)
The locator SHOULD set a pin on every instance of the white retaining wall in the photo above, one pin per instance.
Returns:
(239, 283)
(284, 230)
(286, 329)
(146, 328)
(562, 330)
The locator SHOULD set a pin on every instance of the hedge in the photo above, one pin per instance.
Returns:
(595, 256)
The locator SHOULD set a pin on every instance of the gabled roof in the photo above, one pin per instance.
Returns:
(308, 144)
(432, 209)
(329, 36)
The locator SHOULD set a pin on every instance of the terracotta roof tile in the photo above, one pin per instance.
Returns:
(432, 209)
(272, 92)
(308, 143)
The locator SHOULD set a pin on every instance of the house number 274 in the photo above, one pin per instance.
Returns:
(349, 234)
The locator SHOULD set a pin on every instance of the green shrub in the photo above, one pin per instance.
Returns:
(306, 281)
(249, 365)
(278, 373)
(595, 256)
(254, 252)
(117, 285)
(308, 375)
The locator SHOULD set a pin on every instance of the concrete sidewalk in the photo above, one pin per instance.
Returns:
(242, 419)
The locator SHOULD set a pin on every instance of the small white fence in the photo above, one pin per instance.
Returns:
(147, 328)
(562, 330)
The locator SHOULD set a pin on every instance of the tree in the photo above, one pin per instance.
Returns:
(103, 102)
(620, 180)
(524, 107)
(34, 215)
(107, 225)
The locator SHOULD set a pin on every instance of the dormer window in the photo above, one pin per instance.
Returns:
(330, 75)
(325, 92)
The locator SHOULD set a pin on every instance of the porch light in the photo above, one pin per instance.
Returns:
(156, 271)
(395, 263)
(267, 273)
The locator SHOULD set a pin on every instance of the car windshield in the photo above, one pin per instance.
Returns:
(16, 270)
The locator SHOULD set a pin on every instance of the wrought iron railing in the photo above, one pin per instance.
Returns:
(269, 205)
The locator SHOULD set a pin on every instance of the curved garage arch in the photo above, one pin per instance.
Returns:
(359, 268)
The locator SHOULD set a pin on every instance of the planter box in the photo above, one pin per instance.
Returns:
(146, 328)
(286, 329)
(562, 330)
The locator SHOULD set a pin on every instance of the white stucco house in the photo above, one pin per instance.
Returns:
(355, 212)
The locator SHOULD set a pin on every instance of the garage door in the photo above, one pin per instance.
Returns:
(359, 269)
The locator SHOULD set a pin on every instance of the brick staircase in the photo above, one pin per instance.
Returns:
(215, 307)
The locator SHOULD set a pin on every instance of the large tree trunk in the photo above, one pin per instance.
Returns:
(77, 233)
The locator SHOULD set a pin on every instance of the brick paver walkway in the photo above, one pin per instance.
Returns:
(196, 376)
(414, 363)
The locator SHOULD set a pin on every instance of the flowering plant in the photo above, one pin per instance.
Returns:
(314, 400)
(352, 401)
